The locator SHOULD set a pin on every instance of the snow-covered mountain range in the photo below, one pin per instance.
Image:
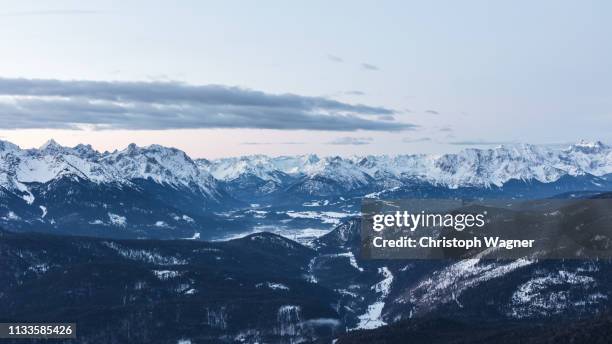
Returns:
(155, 188)
(83, 191)
(170, 166)
(470, 167)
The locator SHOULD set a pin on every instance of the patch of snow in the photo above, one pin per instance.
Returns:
(331, 217)
(117, 220)
(372, 318)
(28, 197)
(448, 284)
(550, 294)
(310, 277)
(39, 268)
(11, 216)
(273, 286)
(195, 236)
(346, 292)
(351, 258)
(164, 275)
(161, 224)
(144, 255)
(289, 319)
(44, 211)
(316, 203)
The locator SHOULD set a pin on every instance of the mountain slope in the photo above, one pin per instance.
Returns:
(140, 191)
(249, 290)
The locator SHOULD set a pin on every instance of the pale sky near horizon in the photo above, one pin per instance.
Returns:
(436, 76)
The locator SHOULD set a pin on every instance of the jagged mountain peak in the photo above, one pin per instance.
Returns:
(133, 148)
(6, 146)
(85, 150)
(585, 146)
(51, 144)
(164, 165)
(587, 143)
(154, 151)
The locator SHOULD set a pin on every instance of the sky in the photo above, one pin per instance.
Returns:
(232, 78)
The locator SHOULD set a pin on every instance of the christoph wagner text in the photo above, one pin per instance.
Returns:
(429, 242)
(413, 221)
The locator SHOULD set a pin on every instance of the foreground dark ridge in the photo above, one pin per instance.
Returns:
(146, 291)
(593, 330)
(265, 288)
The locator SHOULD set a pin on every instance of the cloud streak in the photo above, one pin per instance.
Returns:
(416, 140)
(369, 66)
(355, 93)
(58, 104)
(273, 143)
(335, 58)
(354, 141)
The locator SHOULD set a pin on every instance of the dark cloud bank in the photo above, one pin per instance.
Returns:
(36, 103)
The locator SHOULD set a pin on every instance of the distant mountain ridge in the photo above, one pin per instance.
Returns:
(171, 166)
(470, 167)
